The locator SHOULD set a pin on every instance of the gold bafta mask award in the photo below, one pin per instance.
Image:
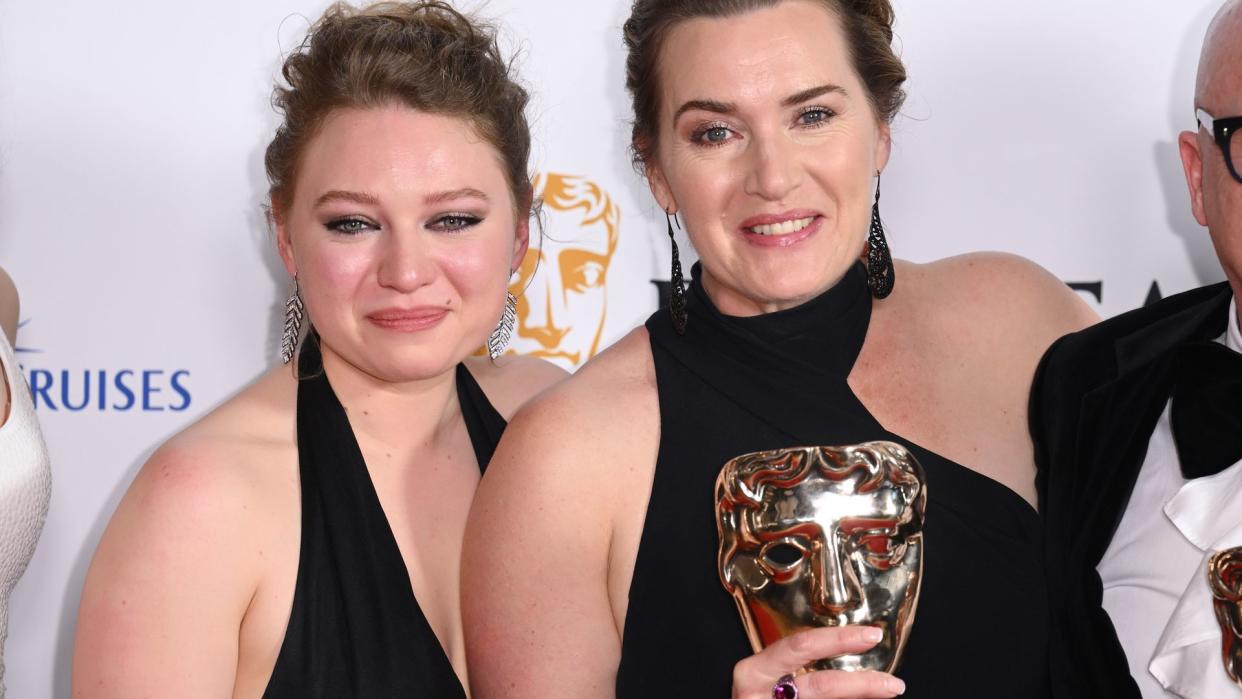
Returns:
(824, 536)
(1225, 579)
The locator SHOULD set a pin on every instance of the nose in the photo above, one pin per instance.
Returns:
(544, 303)
(838, 588)
(773, 169)
(405, 263)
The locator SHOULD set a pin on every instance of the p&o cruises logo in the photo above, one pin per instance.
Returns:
(129, 389)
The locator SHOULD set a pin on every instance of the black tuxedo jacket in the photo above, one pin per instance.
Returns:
(1095, 402)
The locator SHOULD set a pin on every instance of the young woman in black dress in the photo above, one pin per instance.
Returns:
(590, 565)
(303, 539)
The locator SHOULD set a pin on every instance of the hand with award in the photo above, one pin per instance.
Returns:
(823, 537)
(777, 671)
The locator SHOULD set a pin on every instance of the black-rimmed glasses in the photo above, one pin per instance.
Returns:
(1222, 131)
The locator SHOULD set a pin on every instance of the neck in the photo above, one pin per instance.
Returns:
(402, 416)
(734, 302)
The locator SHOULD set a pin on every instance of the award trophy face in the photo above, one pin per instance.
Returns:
(824, 536)
(1225, 579)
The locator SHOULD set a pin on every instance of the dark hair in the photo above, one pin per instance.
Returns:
(424, 55)
(868, 27)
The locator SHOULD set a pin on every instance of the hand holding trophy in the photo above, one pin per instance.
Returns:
(822, 550)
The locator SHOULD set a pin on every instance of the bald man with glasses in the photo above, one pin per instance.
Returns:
(1137, 424)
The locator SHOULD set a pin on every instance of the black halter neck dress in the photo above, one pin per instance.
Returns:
(730, 386)
(356, 629)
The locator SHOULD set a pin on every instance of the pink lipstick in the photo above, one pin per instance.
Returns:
(408, 319)
(781, 230)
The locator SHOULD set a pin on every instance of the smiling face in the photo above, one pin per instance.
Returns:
(824, 536)
(768, 147)
(403, 233)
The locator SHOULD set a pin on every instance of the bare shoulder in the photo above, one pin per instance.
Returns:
(975, 327)
(207, 496)
(8, 306)
(615, 388)
(570, 469)
(1001, 290)
(213, 485)
(235, 457)
(511, 381)
(602, 410)
(186, 551)
(246, 428)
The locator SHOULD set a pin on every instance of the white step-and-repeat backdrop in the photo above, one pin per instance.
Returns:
(131, 184)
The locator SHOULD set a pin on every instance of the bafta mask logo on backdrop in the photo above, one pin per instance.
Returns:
(824, 536)
(562, 284)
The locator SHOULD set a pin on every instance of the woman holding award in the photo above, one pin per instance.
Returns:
(594, 557)
(303, 539)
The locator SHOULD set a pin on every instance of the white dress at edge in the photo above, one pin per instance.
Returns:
(1155, 569)
(25, 486)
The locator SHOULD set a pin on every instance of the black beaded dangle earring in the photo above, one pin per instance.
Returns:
(677, 291)
(880, 275)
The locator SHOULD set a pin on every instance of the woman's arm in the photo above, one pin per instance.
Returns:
(8, 307)
(512, 381)
(535, 598)
(8, 325)
(990, 317)
(169, 583)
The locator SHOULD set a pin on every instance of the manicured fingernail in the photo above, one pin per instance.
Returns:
(872, 635)
(896, 686)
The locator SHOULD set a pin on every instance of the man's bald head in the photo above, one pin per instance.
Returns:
(1215, 194)
(1219, 76)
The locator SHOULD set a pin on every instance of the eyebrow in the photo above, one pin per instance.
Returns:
(372, 200)
(342, 195)
(451, 194)
(807, 95)
(729, 108)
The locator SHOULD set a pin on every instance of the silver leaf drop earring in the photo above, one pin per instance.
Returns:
(499, 339)
(293, 324)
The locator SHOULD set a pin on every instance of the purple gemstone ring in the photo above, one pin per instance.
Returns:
(785, 688)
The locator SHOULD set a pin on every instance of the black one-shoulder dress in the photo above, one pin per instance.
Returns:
(356, 629)
(731, 386)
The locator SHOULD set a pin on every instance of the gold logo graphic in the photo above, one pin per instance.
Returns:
(561, 286)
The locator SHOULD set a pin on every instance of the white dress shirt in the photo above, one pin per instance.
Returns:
(1154, 571)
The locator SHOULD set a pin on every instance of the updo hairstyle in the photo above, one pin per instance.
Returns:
(424, 55)
(867, 24)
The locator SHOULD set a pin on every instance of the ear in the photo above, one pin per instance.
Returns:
(1192, 165)
(521, 242)
(659, 185)
(284, 243)
(883, 146)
